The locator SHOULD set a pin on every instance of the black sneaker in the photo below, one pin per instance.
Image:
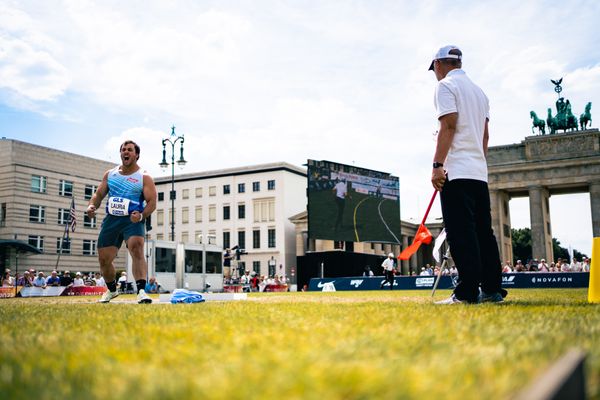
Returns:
(490, 298)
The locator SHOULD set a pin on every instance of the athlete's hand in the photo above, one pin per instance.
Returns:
(91, 211)
(136, 217)
(438, 178)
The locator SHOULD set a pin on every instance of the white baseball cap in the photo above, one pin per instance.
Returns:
(444, 52)
(391, 255)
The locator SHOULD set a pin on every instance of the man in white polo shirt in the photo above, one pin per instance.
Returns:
(460, 174)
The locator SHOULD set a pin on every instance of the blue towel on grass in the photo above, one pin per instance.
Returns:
(186, 296)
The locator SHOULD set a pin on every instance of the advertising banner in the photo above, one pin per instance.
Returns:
(49, 291)
(520, 280)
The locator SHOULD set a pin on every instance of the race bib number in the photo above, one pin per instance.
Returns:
(118, 206)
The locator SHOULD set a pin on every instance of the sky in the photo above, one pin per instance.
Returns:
(251, 82)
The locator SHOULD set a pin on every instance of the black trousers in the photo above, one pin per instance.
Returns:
(389, 277)
(341, 204)
(468, 222)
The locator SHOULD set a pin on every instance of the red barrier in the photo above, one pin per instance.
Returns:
(232, 288)
(7, 291)
(84, 291)
(276, 288)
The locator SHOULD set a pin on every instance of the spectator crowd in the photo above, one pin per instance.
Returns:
(33, 278)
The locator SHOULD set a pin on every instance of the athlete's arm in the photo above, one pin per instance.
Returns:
(444, 141)
(97, 198)
(486, 138)
(149, 196)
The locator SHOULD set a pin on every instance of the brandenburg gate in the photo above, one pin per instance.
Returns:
(539, 167)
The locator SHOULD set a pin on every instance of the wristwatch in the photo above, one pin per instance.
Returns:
(437, 164)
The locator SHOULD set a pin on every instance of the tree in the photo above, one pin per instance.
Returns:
(521, 244)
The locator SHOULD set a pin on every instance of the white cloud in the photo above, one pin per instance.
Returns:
(27, 66)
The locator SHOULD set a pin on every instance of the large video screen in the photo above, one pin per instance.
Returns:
(347, 203)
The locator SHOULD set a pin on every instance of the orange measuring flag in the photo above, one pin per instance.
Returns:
(422, 236)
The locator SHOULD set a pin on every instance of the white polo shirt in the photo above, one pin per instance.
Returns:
(457, 93)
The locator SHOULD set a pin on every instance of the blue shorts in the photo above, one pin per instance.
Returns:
(116, 229)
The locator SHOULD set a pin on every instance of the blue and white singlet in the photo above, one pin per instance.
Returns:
(125, 192)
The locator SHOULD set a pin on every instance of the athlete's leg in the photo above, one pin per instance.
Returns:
(135, 245)
(106, 256)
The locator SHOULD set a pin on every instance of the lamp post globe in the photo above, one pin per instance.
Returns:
(172, 139)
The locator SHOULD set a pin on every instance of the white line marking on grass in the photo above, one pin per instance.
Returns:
(382, 220)
(355, 210)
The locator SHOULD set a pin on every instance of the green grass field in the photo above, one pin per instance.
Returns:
(341, 345)
(365, 218)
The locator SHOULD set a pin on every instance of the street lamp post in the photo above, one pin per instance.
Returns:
(164, 165)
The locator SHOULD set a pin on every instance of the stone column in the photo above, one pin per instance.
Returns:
(501, 223)
(595, 205)
(541, 232)
(405, 270)
(414, 261)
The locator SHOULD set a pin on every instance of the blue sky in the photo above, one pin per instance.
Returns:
(249, 82)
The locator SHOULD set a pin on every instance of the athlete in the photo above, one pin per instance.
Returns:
(131, 199)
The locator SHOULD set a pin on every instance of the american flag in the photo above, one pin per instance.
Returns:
(72, 216)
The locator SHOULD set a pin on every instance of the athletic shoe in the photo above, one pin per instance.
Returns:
(108, 296)
(450, 300)
(490, 298)
(142, 297)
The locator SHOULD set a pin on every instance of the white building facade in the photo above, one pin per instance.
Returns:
(247, 207)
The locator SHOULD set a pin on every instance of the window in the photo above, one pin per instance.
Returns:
(212, 237)
(90, 247)
(256, 186)
(160, 236)
(38, 184)
(89, 222)
(160, 217)
(241, 211)
(226, 212)
(185, 236)
(198, 237)
(89, 191)
(256, 239)
(212, 212)
(226, 240)
(271, 238)
(3, 214)
(242, 239)
(212, 190)
(264, 210)
(193, 262)
(185, 193)
(36, 241)
(214, 262)
(65, 188)
(226, 189)
(185, 215)
(241, 187)
(198, 213)
(63, 216)
(198, 192)
(256, 267)
(66, 245)
(164, 259)
(170, 217)
(161, 196)
(271, 185)
(37, 214)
